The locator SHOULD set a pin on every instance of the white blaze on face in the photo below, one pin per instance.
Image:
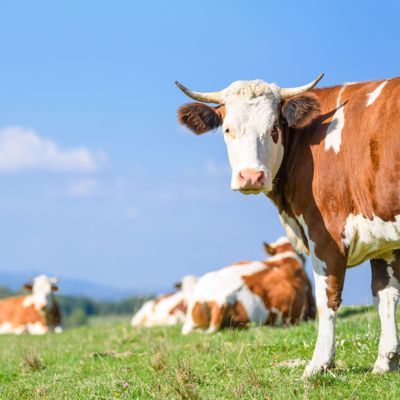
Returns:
(251, 114)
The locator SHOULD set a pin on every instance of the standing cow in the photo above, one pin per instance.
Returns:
(329, 159)
(36, 313)
(169, 309)
(273, 292)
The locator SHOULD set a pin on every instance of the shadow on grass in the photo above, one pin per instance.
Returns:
(350, 311)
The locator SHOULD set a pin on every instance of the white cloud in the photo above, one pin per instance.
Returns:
(82, 187)
(23, 149)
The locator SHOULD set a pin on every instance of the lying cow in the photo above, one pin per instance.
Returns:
(273, 292)
(329, 160)
(169, 309)
(36, 313)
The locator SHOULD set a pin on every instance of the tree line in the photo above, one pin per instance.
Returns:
(78, 310)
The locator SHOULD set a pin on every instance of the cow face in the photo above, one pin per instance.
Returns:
(42, 290)
(251, 114)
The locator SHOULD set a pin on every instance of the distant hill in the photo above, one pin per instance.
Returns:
(75, 287)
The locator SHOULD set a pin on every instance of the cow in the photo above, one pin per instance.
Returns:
(329, 159)
(169, 309)
(36, 313)
(272, 292)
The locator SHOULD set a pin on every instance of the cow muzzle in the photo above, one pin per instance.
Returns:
(251, 181)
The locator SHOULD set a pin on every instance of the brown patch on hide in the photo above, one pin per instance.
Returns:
(374, 153)
(180, 307)
(201, 314)
(284, 287)
(14, 312)
(272, 249)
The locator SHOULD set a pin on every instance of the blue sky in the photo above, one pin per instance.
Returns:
(98, 180)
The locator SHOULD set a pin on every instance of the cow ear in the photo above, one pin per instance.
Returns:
(28, 287)
(54, 288)
(269, 249)
(300, 111)
(201, 118)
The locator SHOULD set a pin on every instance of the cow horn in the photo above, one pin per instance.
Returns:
(290, 92)
(210, 97)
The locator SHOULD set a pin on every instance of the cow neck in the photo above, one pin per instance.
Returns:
(277, 195)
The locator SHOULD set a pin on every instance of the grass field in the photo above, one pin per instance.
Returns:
(108, 360)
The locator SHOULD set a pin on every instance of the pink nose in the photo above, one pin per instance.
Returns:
(251, 179)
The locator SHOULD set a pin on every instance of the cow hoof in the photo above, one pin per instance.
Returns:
(313, 369)
(186, 329)
(387, 363)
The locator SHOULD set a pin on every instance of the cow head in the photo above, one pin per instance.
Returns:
(42, 289)
(279, 246)
(187, 284)
(251, 114)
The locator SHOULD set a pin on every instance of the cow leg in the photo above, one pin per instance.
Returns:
(386, 290)
(328, 290)
(189, 325)
(217, 317)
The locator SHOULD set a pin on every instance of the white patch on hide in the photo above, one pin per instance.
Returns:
(375, 93)
(333, 138)
(226, 287)
(293, 232)
(158, 313)
(6, 327)
(37, 328)
(370, 238)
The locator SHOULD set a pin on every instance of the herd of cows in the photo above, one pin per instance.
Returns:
(329, 160)
(275, 291)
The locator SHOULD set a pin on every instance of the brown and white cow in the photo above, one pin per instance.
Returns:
(36, 313)
(169, 309)
(271, 292)
(330, 161)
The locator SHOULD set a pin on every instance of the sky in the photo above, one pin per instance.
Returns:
(99, 182)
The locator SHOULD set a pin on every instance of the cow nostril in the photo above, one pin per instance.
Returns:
(261, 177)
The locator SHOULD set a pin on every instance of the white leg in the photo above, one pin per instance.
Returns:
(324, 351)
(189, 324)
(386, 302)
(212, 329)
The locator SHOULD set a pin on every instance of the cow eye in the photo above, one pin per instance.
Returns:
(227, 130)
(275, 133)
